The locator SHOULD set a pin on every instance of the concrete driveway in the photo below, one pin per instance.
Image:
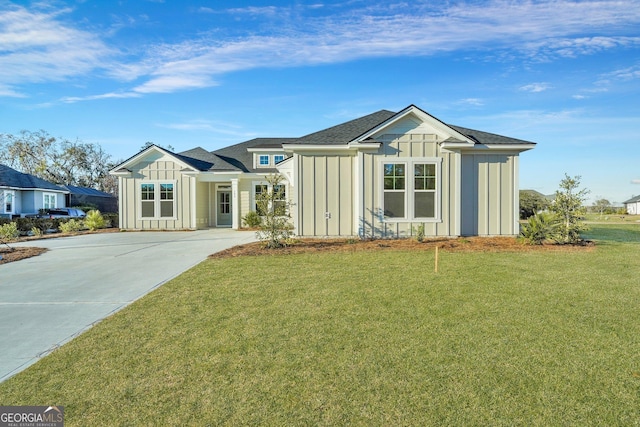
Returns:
(47, 300)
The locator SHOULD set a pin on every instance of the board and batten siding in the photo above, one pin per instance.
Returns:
(324, 194)
(156, 169)
(489, 196)
(403, 147)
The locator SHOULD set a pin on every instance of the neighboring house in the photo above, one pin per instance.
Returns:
(24, 194)
(633, 205)
(82, 196)
(380, 175)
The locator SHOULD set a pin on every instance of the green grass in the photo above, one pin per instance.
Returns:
(378, 338)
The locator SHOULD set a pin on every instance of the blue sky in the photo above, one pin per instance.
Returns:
(564, 74)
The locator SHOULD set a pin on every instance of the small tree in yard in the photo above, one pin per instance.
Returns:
(274, 207)
(569, 210)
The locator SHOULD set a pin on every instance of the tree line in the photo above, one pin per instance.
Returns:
(59, 160)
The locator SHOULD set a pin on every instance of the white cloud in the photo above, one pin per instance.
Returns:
(635, 181)
(38, 48)
(51, 50)
(535, 87)
(476, 102)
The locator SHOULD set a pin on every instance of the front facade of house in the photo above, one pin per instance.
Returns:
(381, 175)
(24, 194)
(633, 205)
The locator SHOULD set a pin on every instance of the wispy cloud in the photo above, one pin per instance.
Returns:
(203, 125)
(42, 48)
(535, 87)
(635, 181)
(37, 47)
(476, 102)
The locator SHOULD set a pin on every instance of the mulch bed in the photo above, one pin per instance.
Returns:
(10, 254)
(468, 244)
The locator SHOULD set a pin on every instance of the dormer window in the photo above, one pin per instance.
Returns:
(277, 158)
(263, 160)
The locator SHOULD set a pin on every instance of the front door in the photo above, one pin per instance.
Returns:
(224, 208)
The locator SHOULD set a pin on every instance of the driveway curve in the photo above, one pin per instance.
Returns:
(48, 300)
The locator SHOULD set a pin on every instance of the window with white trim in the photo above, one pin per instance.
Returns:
(410, 189)
(8, 201)
(279, 193)
(49, 200)
(277, 158)
(258, 190)
(263, 160)
(157, 200)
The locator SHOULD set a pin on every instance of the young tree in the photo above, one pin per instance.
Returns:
(274, 208)
(602, 206)
(569, 210)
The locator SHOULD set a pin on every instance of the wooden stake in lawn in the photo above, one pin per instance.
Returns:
(436, 260)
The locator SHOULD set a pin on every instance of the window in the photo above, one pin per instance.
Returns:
(259, 189)
(279, 198)
(394, 190)
(277, 158)
(263, 160)
(424, 175)
(8, 202)
(157, 200)
(49, 201)
(410, 189)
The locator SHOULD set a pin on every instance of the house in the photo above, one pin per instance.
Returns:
(380, 175)
(24, 194)
(83, 196)
(633, 205)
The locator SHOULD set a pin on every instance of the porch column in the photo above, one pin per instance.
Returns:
(235, 205)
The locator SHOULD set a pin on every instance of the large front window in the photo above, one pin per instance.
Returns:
(157, 200)
(49, 201)
(410, 189)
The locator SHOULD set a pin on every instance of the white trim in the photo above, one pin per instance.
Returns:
(157, 200)
(3, 199)
(135, 159)
(235, 207)
(510, 148)
(409, 191)
(44, 198)
(424, 117)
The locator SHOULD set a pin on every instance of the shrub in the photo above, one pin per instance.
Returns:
(539, 228)
(111, 219)
(419, 230)
(94, 220)
(71, 226)
(9, 231)
(35, 231)
(252, 219)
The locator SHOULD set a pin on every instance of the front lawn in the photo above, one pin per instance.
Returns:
(366, 338)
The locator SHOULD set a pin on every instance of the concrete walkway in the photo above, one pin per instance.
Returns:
(47, 300)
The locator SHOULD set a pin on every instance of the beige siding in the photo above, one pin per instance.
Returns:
(324, 193)
(488, 194)
(203, 201)
(156, 168)
(406, 147)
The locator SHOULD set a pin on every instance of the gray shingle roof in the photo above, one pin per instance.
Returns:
(346, 132)
(237, 158)
(12, 178)
(488, 138)
(204, 160)
(633, 199)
